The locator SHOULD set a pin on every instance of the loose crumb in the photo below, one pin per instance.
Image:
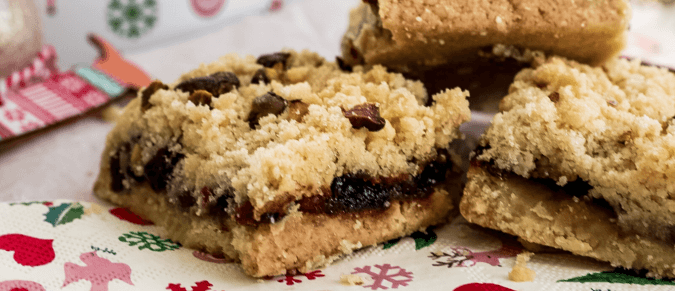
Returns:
(347, 247)
(520, 272)
(351, 280)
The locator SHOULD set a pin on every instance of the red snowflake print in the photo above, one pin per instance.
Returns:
(199, 286)
(290, 279)
(15, 114)
(397, 276)
(314, 274)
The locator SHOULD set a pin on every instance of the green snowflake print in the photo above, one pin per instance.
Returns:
(64, 213)
(132, 18)
(148, 241)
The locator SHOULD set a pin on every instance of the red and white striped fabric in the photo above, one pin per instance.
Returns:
(42, 68)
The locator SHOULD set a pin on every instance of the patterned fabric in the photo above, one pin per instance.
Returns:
(60, 97)
(50, 245)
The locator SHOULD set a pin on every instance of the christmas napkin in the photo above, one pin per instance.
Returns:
(68, 245)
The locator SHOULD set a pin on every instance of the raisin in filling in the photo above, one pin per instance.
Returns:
(348, 193)
(157, 172)
(352, 193)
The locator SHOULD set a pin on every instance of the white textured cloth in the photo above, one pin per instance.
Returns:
(71, 246)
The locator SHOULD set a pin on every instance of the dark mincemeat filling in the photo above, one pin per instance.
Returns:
(349, 193)
(355, 193)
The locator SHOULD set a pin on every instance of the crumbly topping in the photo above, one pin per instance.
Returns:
(611, 126)
(281, 156)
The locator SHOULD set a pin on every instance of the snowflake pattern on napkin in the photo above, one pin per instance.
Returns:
(102, 247)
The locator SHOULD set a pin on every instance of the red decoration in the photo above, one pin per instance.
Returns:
(397, 277)
(290, 279)
(98, 271)
(20, 285)
(276, 5)
(126, 214)
(210, 258)
(112, 63)
(199, 286)
(482, 287)
(207, 8)
(28, 250)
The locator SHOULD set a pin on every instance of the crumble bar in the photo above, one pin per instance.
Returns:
(481, 45)
(581, 158)
(412, 35)
(285, 161)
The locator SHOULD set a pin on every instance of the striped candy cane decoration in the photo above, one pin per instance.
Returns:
(43, 67)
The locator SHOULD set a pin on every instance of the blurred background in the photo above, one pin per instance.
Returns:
(151, 39)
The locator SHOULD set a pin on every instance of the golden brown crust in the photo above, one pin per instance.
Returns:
(300, 241)
(418, 34)
(537, 214)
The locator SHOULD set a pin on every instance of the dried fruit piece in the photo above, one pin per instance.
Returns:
(351, 194)
(207, 83)
(365, 115)
(343, 66)
(270, 60)
(297, 109)
(201, 97)
(219, 209)
(186, 200)
(227, 81)
(159, 169)
(260, 76)
(216, 84)
(626, 137)
(148, 91)
(264, 105)
(555, 97)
